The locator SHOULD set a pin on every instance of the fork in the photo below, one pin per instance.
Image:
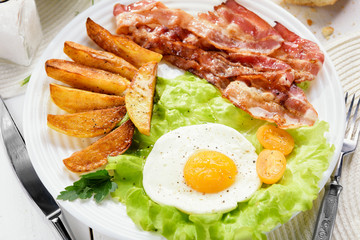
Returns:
(326, 217)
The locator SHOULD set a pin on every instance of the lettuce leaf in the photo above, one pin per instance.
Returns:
(188, 100)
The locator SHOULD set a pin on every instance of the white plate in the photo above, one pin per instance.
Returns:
(47, 148)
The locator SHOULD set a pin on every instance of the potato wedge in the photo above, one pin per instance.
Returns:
(87, 124)
(75, 100)
(86, 78)
(140, 95)
(95, 155)
(99, 59)
(120, 45)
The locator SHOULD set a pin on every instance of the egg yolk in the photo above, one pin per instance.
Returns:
(209, 171)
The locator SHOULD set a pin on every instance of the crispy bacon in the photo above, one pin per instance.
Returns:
(287, 110)
(195, 68)
(230, 33)
(301, 54)
(285, 75)
(241, 24)
(140, 5)
(277, 75)
(253, 64)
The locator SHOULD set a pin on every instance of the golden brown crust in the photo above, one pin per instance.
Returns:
(120, 45)
(99, 59)
(140, 95)
(95, 155)
(75, 100)
(87, 124)
(86, 78)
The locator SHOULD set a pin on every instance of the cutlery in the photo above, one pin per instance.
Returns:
(326, 217)
(16, 149)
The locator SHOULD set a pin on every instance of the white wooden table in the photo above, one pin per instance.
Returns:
(19, 217)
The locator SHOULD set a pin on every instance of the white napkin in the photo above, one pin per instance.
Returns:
(54, 15)
(20, 31)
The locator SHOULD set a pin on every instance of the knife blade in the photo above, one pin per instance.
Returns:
(16, 149)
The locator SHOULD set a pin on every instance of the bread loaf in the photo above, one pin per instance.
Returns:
(317, 3)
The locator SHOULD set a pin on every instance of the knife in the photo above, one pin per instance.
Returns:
(16, 149)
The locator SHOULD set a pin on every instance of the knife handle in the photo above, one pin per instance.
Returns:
(326, 217)
(56, 221)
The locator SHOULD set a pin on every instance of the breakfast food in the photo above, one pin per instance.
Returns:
(208, 28)
(256, 66)
(139, 97)
(87, 124)
(74, 100)
(186, 101)
(270, 166)
(271, 162)
(86, 78)
(95, 155)
(274, 138)
(189, 120)
(318, 3)
(201, 169)
(120, 46)
(99, 59)
(97, 95)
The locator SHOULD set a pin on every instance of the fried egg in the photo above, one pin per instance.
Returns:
(201, 169)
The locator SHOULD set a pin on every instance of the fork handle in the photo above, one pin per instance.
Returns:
(326, 217)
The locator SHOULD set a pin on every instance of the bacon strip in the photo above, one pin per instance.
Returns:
(281, 71)
(301, 54)
(140, 5)
(253, 64)
(230, 33)
(241, 24)
(277, 75)
(286, 110)
(195, 68)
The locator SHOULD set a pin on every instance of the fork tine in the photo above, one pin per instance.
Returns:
(351, 124)
(349, 111)
(346, 97)
(354, 121)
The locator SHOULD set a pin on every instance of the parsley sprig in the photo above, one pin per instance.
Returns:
(97, 183)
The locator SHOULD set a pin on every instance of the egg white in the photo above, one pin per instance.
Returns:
(163, 177)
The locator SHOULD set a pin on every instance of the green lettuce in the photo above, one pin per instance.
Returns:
(188, 100)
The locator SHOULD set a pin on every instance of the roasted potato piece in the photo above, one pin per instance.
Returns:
(95, 155)
(75, 100)
(99, 59)
(87, 124)
(140, 95)
(86, 78)
(120, 46)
